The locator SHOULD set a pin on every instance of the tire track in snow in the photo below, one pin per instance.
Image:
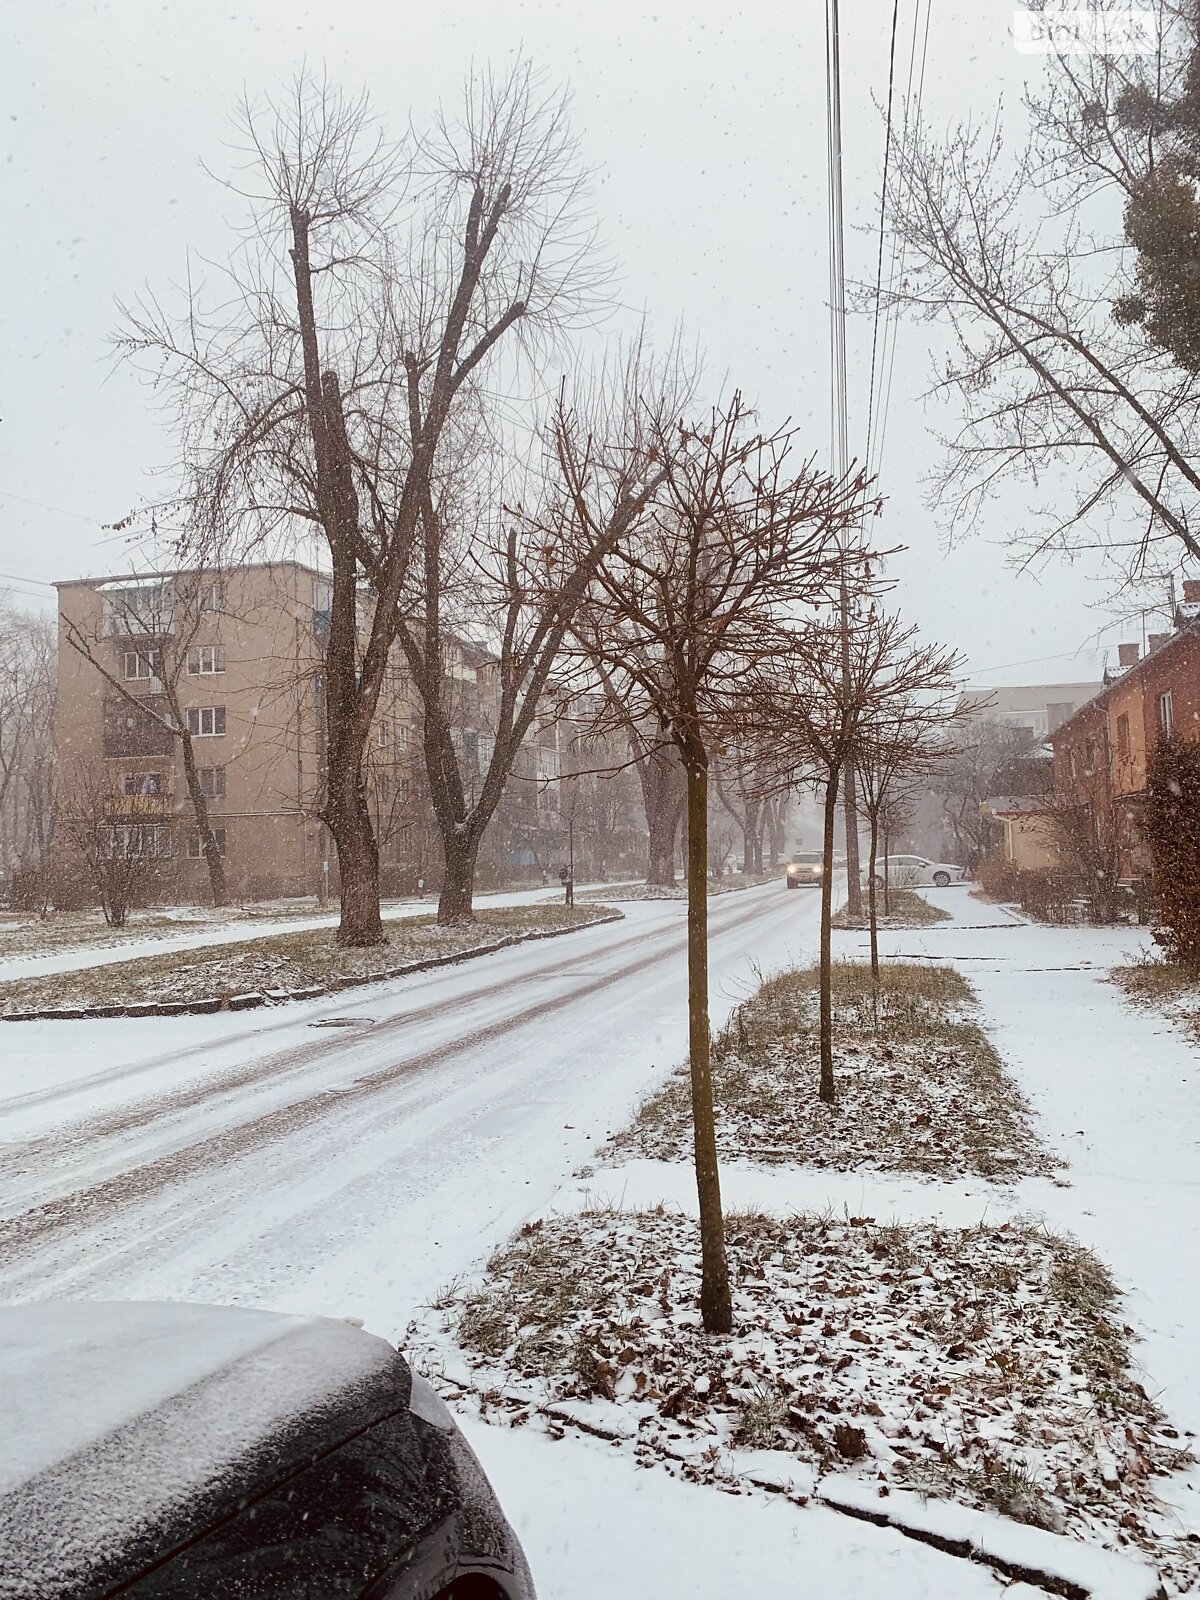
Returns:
(95, 1203)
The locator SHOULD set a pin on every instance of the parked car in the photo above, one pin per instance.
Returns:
(806, 866)
(179, 1451)
(915, 872)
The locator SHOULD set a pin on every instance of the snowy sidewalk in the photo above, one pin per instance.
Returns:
(199, 935)
(1117, 1093)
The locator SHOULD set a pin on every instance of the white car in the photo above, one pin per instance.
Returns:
(915, 872)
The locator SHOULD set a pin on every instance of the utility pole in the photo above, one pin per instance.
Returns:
(841, 446)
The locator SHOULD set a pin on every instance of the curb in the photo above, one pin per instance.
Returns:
(251, 1000)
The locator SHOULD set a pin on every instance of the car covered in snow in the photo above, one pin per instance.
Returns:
(153, 1451)
(916, 872)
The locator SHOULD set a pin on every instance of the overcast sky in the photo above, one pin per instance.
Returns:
(704, 125)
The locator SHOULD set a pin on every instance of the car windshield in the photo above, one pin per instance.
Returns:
(807, 858)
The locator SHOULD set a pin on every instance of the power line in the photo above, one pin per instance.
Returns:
(887, 151)
(7, 494)
(16, 577)
(896, 268)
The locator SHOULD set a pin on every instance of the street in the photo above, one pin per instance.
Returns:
(350, 1155)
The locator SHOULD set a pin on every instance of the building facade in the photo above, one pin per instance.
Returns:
(237, 659)
(1102, 753)
(240, 654)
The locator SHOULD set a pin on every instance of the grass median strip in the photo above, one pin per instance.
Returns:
(906, 909)
(288, 961)
(990, 1365)
(925, 1092)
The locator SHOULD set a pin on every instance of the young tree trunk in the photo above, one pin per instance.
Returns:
(716, 1305)
(826, 970)
(349, 821)
(873, 913)
(204, 827)
(853, 873)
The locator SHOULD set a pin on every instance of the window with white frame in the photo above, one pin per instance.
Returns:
(143, 783)
(195, 847)
(1166, 713)
(381, 735)
(205, 659)
(206, 722)
(212, 597)
(212, 782)
(137, 841)
(141, 664)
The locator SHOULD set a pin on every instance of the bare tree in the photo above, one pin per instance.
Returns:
(822, 712)
(118, 850)
(325, 384)
(904, 737)
(1055, 376)
(989, 757)
(679, 613)
(528, 569)
(28, 649)
(747, 790)
(660, 777)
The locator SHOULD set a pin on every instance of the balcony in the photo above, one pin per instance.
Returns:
(140, 807)
(130, 731)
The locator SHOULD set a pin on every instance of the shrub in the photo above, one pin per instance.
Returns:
(1172, 826)
(1045, 893)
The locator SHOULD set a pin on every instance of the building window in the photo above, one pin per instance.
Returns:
(1166, 714)
(205, 658)
(206, 722)
(139, 783)
(137, 841)
(141, 664)
(212, 782)
(1123, 736)
(1089, 756)
(195, 848)
(212, 597)
(1074, 764)
(382, 785)
(381, 735)
(402, 734)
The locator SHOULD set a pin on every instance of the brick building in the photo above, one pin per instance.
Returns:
(1101, 753)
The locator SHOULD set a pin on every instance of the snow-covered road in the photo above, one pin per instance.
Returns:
(349, 1156)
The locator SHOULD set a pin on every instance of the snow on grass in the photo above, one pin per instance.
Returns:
(1167, 987)
(990, 1365)
(678, 890)
(926, 1092)
(285, 962)
(907, 910)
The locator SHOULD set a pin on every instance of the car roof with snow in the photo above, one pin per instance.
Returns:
(130, 1427)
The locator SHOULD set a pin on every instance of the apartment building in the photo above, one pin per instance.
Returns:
(240, 652)
(1040, 708)
(240, 657)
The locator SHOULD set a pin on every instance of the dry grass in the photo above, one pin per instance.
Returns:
(908, 910)
(284, 961)
(990, 1363)
(924, 1091)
